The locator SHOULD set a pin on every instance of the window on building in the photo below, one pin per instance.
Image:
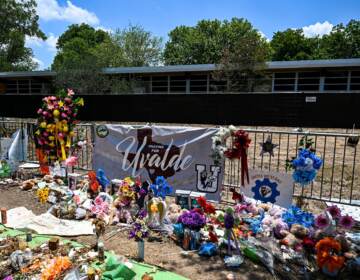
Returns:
(336, 80)
(217, 85)
(198, 83)
(178, 84)
(355, 80)
(24, 86)
(284, 81)
(308, 81)
(160, 84)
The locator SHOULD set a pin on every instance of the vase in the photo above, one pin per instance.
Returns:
(186, 239)
(194, 239)
(141, 250)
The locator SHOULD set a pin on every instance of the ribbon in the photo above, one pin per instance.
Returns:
(241, 143)
(44, 167)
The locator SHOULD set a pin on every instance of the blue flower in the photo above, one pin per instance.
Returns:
(161, 187)
(306, 219)
(317, 162)
(289, 218)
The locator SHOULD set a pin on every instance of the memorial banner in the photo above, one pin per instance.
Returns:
(180, 154)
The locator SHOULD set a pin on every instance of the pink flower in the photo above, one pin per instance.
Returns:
(346, 222)
(321, 221)
(76, 199)
(71, 161)
(39, 111)
(334, 211)
(98, 201)
(70, 92)
(63, 115)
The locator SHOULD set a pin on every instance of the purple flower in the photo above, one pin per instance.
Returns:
(229, 221)
(346, 222)
(192, 220)
(334, 211)
(321, 221)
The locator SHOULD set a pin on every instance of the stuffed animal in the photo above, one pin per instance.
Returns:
(174, 212)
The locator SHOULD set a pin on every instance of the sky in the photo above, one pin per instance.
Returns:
(315, 17)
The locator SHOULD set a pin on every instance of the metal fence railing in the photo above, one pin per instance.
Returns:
(338, 180)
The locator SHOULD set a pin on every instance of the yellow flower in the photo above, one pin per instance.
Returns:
(129, 181)
(139, 234)
(61, 104)
(80, 102)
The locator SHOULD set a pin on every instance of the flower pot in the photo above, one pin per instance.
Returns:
(141, 250)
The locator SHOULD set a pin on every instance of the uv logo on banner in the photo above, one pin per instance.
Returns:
(207, 182)
(265, 190)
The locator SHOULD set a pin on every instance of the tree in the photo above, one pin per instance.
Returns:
(75, 63)
(131, 46)
(293, 45)
(18, 19)
(207, 41)
(342, 42)
(77, 43)
(242, 66)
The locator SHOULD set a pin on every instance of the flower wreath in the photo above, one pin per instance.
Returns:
(240, 144)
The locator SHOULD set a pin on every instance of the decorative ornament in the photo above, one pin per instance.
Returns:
(268, 146)
(265, 191)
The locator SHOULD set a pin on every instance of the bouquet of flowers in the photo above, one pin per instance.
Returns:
(332, 214)
(219, 143)
(295, 215)
(55, 126)
(161, 188)
(306, 164)
(139, 229)
(192, 220)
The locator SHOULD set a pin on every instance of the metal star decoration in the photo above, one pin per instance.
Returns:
(268, 147)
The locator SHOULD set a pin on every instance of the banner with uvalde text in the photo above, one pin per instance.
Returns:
(180, 154)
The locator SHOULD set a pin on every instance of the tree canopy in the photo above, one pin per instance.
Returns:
(18, 19)
(131, 46)
(207, 41)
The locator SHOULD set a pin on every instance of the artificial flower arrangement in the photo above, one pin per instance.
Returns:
(328, 256)
(161, 188)
(55, 126)
(306, 164)
(139, 229)
(238, 148)
(332, 220)
(43, 194)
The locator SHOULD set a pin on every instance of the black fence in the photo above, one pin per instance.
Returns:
(330, 110)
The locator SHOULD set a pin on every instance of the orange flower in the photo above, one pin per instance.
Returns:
(55, 268)
(325, 256)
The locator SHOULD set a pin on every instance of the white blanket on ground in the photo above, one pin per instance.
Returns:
(22, 218)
